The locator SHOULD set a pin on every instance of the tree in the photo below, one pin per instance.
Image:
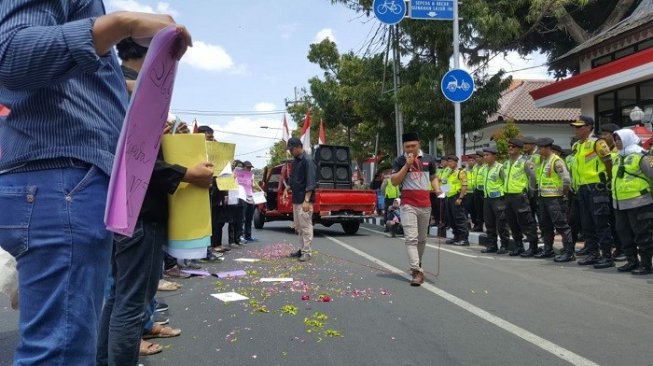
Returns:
(278, 154)
(501, 137)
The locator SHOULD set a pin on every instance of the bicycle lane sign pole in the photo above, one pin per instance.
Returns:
(389, 12)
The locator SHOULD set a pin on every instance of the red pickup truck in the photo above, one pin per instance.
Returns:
(347, 207)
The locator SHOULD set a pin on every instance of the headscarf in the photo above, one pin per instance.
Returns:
(629, 141)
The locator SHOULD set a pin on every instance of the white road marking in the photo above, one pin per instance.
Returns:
(522, 333)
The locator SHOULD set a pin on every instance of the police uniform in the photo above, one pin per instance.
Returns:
(480, 171)
(591, 159)
(618, 253)
(454, 208)
(553, 184)
(573, 214)
(520, 180)
(443, 177)
(535, 162)
(633, 203)
(494, 206)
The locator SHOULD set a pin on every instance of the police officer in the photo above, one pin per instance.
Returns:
(633, 203)
(471, 187)
(520, 182)
(443, 178)
(592, 170)
(573, 216)
(457, 182)
(531, 154)
(494, 206)
(554, 185)
(479, 172)
(607, 131)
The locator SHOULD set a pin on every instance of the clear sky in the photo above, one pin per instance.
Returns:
(250, 55)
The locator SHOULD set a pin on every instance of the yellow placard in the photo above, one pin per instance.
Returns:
(221, 154)
(189, 215)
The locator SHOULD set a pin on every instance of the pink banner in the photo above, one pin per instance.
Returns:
(244, 179)
(140, 137)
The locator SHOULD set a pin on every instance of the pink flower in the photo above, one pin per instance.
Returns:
(305, 298)
(325, 298)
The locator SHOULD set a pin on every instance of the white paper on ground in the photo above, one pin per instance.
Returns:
(280, 279)
(229, 296)
(247, 260)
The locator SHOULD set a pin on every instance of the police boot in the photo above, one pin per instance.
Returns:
(546, 253)
(565, 256)
(606, 261)
(632, 263)
(619, 255)
(645, 265)
(490, 249)
(592, 258)
(530, 252)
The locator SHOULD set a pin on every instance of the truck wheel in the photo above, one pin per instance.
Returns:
(259, 219)
(350, 227)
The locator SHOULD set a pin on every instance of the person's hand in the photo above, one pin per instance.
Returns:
(167, 129)
(143, 27)
(459, 201)
(410, 160)
(438, 192)
(183, 128)
(284, 196)
(201, 175)
(305, 206)
(131, 85)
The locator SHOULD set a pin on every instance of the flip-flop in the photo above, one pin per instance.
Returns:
(168, 286)
(149, 349)
(161, 331)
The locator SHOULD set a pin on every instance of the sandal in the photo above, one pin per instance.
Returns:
(167, 286)
(149, 349)
(161, 331)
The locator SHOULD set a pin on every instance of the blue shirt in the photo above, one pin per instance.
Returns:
(65, 100)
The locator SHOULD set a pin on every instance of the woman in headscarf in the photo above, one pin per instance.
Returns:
(632, 173)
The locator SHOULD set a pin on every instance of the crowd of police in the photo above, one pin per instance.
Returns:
(599, 192)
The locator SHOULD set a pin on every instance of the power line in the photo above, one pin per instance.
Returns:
(245, 134)
(226, 113)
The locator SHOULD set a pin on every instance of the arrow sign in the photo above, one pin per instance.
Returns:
(431, 9)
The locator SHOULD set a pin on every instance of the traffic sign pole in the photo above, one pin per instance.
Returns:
(456, 62)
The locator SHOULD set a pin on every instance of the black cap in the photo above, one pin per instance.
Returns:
(567, 152)
(583, 121)
(609, 127)
(545, 141)
(294, 142)
(409, 136)
(516, 142)
(452, 158)
(491, 150)
(557, 148)
(247, 164)
(479, 152)
(529, 140)
(204, 129)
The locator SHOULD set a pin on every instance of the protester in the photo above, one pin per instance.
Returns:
(413, 171)
(390, 194)
(249, 206)
(237, 209)
(60, 73)
(303, 179)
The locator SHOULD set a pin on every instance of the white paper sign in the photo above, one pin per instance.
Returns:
(229, 296)
(259, 197)
(247, 260)
(232, 198)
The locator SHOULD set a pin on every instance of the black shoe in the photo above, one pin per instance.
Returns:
(161, 307)
(296, 254)
(565, 257)
(619, 256)
(545, 254)
(477, 229)
(604, 262)
(642, 270)
(489, 250)
(516, 252)
(451, 241)
(462, 243)
(632, 264)
(501, 251)
(582, 251)
(529, 253)
(592, 258)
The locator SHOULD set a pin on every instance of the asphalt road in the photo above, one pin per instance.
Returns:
(479, 310)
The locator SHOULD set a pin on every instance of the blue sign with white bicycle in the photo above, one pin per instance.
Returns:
(457, 85)
(390, 11)
(431, 9)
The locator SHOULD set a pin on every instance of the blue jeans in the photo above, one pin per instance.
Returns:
(52, 222)
(136, 268)
(148, 323)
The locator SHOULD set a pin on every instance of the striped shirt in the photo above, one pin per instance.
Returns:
(415, 189)
(65, 100)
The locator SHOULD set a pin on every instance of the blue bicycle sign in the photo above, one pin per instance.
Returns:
(457, 85)
(389, 11)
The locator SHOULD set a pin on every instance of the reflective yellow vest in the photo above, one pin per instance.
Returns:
(587, 163)
(631, 182)
(390, 190)
(550, 182)
(471, 178)
(455, 183)
(480, 177)
(493, 185)
(444, 175)
(536, 160)
(516, 178)
(569, 160)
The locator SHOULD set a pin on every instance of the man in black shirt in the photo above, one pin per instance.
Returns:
(302, 183)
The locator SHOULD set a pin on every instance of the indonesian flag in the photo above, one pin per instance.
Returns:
(286, 131)
(196, 128)
(306, 132)
(322, 135)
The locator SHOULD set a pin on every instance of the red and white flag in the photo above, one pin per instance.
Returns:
(306, 132)
(196, 128)
(322, 135)
(286, 131)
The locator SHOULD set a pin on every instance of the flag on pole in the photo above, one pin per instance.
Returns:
(196, 128)
(306, 132)
(286, 131)
(322, 135)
